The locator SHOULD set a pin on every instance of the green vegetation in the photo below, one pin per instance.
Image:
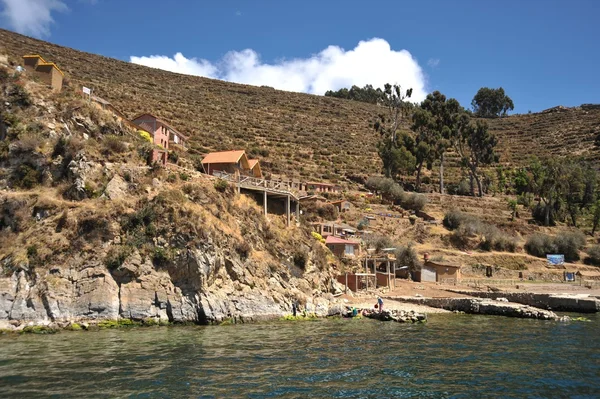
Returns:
(221, 185)
(120, 323)
(367, 94)
(490, 103)
(39, 330)
(393, 192)
(565, 189)
(593, 255)
(116, 256)
(466, 227)
(567, 244)
(406, 255)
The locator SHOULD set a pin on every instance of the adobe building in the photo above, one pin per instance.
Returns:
(438, 273)
(162, 135)
(47, 72)
(161, 131)
(341, 205)
(323, 187)
(342, 248)
(231, 162)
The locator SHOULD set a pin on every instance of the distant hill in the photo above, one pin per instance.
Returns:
(307, 136)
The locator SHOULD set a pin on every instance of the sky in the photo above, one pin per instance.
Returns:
(544, 53)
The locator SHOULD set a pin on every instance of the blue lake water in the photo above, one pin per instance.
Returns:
(451, 356)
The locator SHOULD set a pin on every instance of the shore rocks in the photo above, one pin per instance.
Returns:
(484, 306)
(398, 316)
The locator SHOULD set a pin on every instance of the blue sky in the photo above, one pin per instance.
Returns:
(543, 52)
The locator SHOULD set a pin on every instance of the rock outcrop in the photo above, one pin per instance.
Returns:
(484, 306)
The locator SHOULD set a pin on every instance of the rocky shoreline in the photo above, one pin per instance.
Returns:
(485, 307)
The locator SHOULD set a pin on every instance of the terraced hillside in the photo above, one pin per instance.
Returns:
(299, 135)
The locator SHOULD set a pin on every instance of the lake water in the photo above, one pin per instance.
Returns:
(451, 356)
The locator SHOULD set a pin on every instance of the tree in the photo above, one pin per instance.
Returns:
(595, 216)
(475, 146)
(394, 157)
(433, 122)
(491, 103)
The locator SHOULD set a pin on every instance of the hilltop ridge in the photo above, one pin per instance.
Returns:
(298, 135)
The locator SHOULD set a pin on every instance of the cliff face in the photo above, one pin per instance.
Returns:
(89, 231)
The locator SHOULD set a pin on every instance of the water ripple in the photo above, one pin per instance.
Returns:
(449, 357)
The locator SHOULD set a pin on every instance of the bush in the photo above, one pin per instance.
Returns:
(318, 237)
(145, 135)
(378, 242)
(184, 176)
(454, 218)
(300, 258)
(243, 249)
(114, 144)
(413, 201)
(407, 256)
(161, 257)
(116, 256)
(173, 157)
(593, 257)
(27, 176)
(16, 94)
(466, 226)
(221, 185)
(540, 245)
(567, 244)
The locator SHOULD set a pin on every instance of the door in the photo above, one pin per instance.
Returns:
(428, 274)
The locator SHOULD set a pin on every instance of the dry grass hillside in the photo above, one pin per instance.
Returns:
(299, 135)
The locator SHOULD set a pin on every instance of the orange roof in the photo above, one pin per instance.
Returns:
(335, 240)
(224, 157)
(252, 162)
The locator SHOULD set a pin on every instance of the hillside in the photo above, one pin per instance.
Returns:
(89, 231)
(299, 135)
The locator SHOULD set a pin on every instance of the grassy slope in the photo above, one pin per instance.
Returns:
(307, 136)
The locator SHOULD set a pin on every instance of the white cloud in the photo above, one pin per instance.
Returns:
(370, 62)
(31, 17)
(433, 62)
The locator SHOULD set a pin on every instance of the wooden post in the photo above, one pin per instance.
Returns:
(356, 282)
(387, 270)
(394, 271)
(265, 202)
(346, 290)
(287, 209)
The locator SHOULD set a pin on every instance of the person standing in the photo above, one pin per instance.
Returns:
(380, 304)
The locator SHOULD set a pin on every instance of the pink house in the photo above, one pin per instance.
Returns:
(162, 134)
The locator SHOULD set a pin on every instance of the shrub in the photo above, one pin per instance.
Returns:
(116, 256)
(145, 135)
(567, 244)
(300, 258)
(540, 245)
(27, 176)
(221, 185)
(413, 201)
(407, 256)
(114, 144)
(454, 218)
(184, 176)
(378, 242)
(593, 256)
(161, 257)
(243, 249)
(173, 157)
(318, 237)
(16, 94)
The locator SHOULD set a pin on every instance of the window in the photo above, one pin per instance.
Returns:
(349, 250)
